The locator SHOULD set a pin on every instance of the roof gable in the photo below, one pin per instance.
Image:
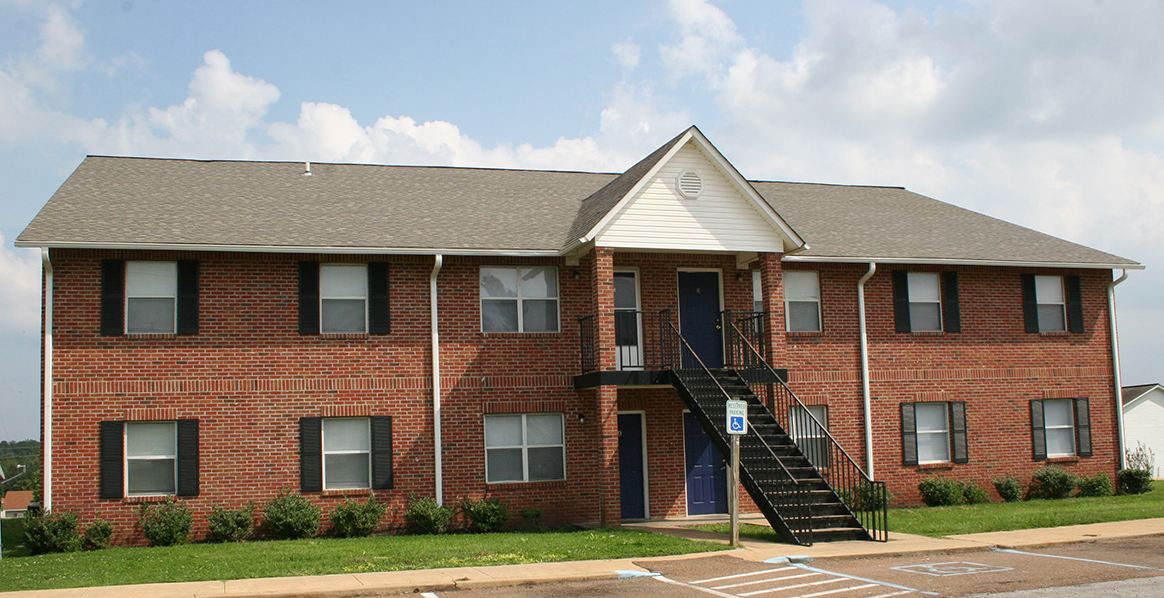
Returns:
(1133, 394)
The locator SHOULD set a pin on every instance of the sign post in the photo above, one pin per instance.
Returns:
(737, 425)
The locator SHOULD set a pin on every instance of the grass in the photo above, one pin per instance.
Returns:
(202, 562)
(993, 517)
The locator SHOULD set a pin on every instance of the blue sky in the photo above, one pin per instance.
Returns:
(1044, 113)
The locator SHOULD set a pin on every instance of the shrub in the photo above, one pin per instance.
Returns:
(167, 523)
(532, 518)
(941, 492)
(51, 532)
(487, 515)
(973, 493)
(1141, 457)
(290, 516)
(1134, 481)
(425, 516)
(1051, 482)
(98, 535)
(231, 525)
(1008, 489)
(866, 497)
(1096, 485)
(351, 518)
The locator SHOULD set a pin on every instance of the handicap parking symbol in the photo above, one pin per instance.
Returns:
(737, 424)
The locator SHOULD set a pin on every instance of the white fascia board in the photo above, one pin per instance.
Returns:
(813, 259)
(293, 249)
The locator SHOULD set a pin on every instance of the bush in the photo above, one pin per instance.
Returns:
(1134, 481)
(487, 515)
(532, 518)
(1051, 482)
(866, 498)
(425, 516)
(231, 525)
(290, 516)
(973, 493)
(98, 535)
(1140, 457)
(167, 523)
(51, 532)
(1096, 485)
(351, 519)
(941, 492)
(1008, 489)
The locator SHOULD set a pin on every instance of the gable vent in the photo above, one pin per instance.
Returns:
(690, 184)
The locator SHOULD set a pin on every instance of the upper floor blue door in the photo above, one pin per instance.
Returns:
(699, 316)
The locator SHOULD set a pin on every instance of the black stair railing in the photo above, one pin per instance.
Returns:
(865, 497)
(630, 342)
(789, 499)
(588, 343)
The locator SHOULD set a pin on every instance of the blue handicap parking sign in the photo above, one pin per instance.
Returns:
(737, 424)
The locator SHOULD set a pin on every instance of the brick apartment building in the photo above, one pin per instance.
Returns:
(222, 330)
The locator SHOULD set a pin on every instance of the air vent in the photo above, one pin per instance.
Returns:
(690, 185)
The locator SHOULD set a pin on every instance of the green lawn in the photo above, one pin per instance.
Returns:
(993, 517)
(200, 562)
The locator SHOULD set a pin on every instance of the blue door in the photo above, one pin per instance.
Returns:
(699, 316)
(706, 471)
(630, 465)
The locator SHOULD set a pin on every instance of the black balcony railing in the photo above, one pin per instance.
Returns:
(630, 341)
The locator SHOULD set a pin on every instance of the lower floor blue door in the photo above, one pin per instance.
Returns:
(706, 471)
(630, 465)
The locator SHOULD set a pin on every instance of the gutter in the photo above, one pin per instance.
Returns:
(47, 458)
(816, 259)
(1115, 365)
(436, 377)
(865, 393)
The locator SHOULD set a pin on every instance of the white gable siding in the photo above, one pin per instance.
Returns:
(721, 219)
(1144, 422)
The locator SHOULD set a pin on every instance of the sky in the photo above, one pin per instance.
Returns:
(1046, 113)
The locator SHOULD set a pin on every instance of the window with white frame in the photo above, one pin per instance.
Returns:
(151, 458)
(925, 302)
(517, 299)
(151, 297)
(933, 432)
(1059, 427)
(528, 447)
(343, 298)
(757, 292)
(1052, 307)
(347, 453)
(811, 438)
(802, 301)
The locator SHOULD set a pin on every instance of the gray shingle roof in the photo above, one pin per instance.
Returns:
(150, 202)
(1131, 393)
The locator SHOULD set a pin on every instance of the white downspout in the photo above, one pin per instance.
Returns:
(436, 376)
(1115, 363)
(46, 490)
(865, 394)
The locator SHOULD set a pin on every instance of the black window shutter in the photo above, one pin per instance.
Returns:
(308, 297)
(1074, 303)
(908, 435)
(1038, 431)
(379, 320)
(1030, 304)
(901, 300)
(1082, 427)
(111, 460)
(188, 297)
(951, 316)
(112, 297)
(382, 453)
(958, 425)
(310, 454)
(187, 457)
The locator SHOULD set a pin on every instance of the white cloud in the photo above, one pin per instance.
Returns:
(627, 54)
(20, 293)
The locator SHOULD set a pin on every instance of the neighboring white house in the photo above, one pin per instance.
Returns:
(15, 504)
(1144, 420)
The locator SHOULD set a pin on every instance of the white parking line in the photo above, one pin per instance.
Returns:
(887, 584)
(892, 594)
(837, 591)
(665, 579)
(1072, 558)
(748, 574)
(793, 587)
(768, 580)
(428, 595)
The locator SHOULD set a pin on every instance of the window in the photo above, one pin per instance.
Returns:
(1052, 308)
(343, 298)
(1059, 427)
(151, 456)
(757, 292)
(347, 453)
(519, 299)
(925, 302)
(524, 448)
(151, 297)
(933, 433)
(811, 439)
(802, 301)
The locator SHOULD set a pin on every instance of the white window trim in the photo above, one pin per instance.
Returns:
(524, 446)
(1071, 426)
(557, 299)
(941, 316)
(125, 307)
(944, 432)
(638, 356)
(125, 459)
(323, 297)
(819, 314)
(324, 452)
(1061, 304)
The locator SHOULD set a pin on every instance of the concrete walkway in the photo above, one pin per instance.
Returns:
(435, 580)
